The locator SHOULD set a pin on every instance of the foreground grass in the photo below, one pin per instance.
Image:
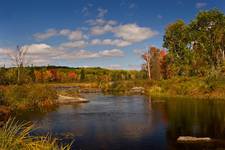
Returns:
(16, 136)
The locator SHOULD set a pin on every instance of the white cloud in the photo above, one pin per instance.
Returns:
(75, 35)
(36, 49)
(83, 54)
(5, 51)
(4, 56)
(44, 54)
(111, 42)
(102, 12)
(70, 34)
(41, 54)
(43, 36)
(111, 53)
(101, 26)
(200, 5)
(36, 53)
(64, 32)
(99, 30)
(74, 44)
(139, 51)
(134, 33)
(126, 34)
(101, 22)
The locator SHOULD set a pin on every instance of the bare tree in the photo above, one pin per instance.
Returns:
(18, 59)
(147, 57)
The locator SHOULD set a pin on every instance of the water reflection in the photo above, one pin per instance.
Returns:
(132, 122)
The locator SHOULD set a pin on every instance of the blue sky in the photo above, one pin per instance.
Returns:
(105, 33)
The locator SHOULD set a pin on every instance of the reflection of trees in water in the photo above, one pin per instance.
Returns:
(201, 118)
(196, 118)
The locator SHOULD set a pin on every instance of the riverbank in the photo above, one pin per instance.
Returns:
(42, 95)
(27, 96)
(38, 96)
(182, 87)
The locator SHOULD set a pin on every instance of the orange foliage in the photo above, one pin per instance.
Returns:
(72, 75)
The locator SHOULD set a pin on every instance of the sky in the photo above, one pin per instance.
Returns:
(82, 33)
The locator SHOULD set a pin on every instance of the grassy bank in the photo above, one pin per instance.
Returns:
(183, 87)
(27, 96)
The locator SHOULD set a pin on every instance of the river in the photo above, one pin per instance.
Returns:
(131, 122)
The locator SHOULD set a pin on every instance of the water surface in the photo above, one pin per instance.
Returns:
(132, 122)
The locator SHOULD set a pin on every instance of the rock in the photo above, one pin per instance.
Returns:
(137, 90)
(67, 99)
(190, 139)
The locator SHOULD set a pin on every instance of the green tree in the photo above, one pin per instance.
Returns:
(208, 37)
(176, 40)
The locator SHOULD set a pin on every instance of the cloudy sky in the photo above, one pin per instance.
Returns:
(105, 33)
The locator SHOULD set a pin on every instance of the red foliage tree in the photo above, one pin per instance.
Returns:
(72, 75)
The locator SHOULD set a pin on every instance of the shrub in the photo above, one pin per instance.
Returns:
(155, 90)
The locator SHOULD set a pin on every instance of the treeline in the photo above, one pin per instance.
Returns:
(65, 74)
(193, 49)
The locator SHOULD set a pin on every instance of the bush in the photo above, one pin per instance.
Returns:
(155, 90)
(210, 80)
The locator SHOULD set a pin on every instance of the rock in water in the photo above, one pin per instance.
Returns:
(137, 90)
(67, 99)
(191, 139)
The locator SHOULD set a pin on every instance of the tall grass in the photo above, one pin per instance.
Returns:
(16, 136)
